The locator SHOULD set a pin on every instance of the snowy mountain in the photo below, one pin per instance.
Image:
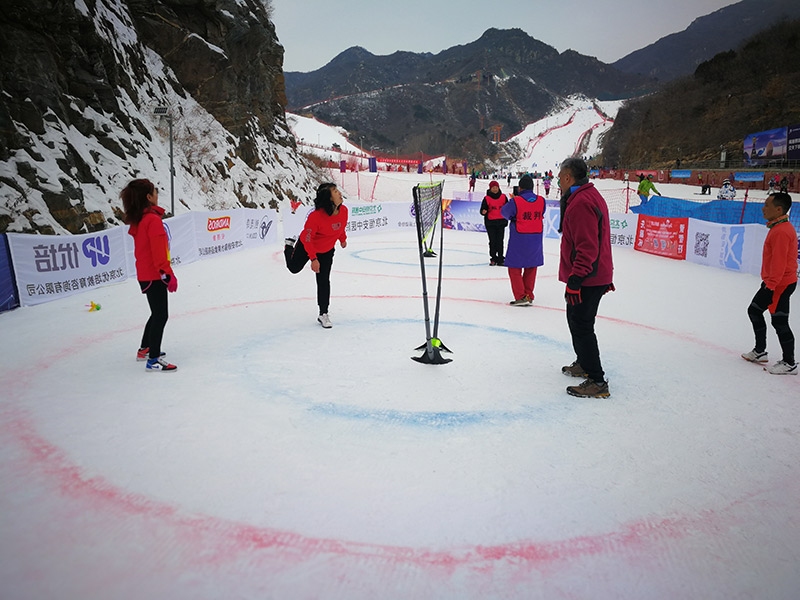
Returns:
(451, 102)
(80, 84)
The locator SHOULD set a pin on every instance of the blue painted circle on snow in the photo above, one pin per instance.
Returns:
(431, 262)
(431, 419)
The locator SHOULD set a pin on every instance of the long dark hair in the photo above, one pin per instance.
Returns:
(323, 198)
(134, 199)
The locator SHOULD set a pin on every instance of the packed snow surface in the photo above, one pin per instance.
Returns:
(283, 460)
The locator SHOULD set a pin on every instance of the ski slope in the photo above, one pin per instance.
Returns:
(282, 460)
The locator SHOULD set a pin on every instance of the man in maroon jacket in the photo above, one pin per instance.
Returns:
(587, 269)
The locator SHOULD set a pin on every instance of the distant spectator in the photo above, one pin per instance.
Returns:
(784, 185)
(771, 187)
(472, 183)
(494, 222)
(727, 191)
(645, 187)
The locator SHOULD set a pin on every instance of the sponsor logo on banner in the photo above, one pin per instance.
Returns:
(662, 236)
(732, 247)
(219, 223)
(48, 258)
(96, 250)
(263, 228)
(366, 210)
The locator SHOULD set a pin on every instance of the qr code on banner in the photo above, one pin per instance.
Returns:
(701, 244)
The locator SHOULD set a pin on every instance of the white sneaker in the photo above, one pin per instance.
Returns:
(782, 368)
(756, 357)
(325, 321)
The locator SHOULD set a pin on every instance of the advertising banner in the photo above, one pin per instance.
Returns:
(684, 174)
(462, 215)
(749, 176)
(662, 236)
(260, 227)
(793, 142)
(8, 293)
(182, 240)
(623, 229)
(375, 218)
(219, 231)
(765, 146)
(48, 267)
(734, 247)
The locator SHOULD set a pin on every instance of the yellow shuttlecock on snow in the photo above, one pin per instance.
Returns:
(93, 307)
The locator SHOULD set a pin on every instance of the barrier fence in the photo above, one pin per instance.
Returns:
(40, 268)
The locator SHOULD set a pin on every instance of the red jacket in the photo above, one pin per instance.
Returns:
(586, 238)
(151, 246)
(779, 262)
(322, 230)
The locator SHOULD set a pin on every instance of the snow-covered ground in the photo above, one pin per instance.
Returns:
(547, 142)
(286, 461)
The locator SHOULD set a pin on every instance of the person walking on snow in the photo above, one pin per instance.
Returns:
(153, 268)
(587, 269)
(546, 182)
(323, 228)
(779, 280)
(494, 222)
(525, 251)
(645, 187)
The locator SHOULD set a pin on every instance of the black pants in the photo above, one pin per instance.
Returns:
(156, 292)
(780, 320)
(296, 259)
(496, 229)
(580, 318)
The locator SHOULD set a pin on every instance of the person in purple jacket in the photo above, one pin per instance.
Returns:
(525, 211)
(586, 267)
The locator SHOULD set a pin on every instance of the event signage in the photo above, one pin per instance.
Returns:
(219, 232)
(765, 147)
(48, 267)
(733, 247)
(747, 176)
(663, 236)
(260, 227)
(793, 142)
(684, 174)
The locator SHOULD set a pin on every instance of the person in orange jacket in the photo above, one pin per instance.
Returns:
(153, 268)
(324, 226)
(779, 280)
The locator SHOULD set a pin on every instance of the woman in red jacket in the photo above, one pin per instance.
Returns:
(317, 241)
(153, 268)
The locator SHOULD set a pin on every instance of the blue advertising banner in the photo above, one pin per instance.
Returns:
(749, 176)
(594, 173)
(8, 290)
(793, 142)
(766, 146)
(680, 174)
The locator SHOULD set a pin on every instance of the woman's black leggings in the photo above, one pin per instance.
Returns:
(156, 292)
(296, 259)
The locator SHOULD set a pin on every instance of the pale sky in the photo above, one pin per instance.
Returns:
(313, 32)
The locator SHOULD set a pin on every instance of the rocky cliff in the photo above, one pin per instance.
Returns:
(79, 84)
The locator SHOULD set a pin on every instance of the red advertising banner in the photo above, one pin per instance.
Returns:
(663, 236)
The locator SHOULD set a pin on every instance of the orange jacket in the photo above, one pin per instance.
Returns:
(779, 263)
(151, 245)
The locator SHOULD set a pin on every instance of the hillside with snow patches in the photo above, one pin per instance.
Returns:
(575, 127)
(62, 168)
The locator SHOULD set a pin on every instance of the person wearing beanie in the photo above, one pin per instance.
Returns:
(526, 235)
(494, 222)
